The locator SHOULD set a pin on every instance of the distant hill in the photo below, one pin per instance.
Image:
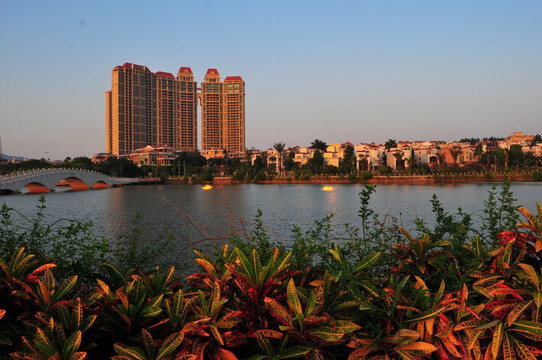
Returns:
(11, 157)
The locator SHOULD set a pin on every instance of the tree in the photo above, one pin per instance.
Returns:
(398, 159)
(316, 163)
(289, 162)
(263, 157)
(81, 162)
(390, 144)
(319, 144)
(479, 150)
(280, 149)
(516, 157)
(536, 139)
(349, 160)
(454, 152)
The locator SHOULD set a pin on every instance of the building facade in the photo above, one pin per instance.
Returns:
(223, 113)
(158, 109)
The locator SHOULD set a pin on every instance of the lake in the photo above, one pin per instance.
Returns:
(195, 215)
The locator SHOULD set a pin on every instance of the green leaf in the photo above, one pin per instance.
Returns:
(294, 352)
(264, 344)
(148, 343)
(229, 320)
(537, 296)
(327, 333)
(170, 345)
(369, 287)
(245, 264)
(178, 301)
(532, 327)
(44, 344)
(72, 345)
(498, 334)
(419, 347)
(346, 327)
(63, 315)
(522, 350)
(214, 300)
(114, 274)
(517, 311)
(278, 310)
(367, 262)
(49, 281)
(216, 334)
(65, 288)
(508, 348)
(134, 353)
(427, 314)
(532, 275)
(87, 323)
(78, 356)
(474, 323)
(293, 299)
(256, 266)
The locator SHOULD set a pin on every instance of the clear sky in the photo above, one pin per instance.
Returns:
(357, 71)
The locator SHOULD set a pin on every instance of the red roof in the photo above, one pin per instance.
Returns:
(347, 143)
(164, 74)
(185, 69)
(135, 66)
(212, 71)
(233, 78)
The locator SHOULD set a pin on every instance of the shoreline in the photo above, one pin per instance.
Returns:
(390, 179)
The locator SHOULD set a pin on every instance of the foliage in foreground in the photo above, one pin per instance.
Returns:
(431, 296)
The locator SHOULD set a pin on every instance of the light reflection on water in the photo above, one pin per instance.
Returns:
(193, 214)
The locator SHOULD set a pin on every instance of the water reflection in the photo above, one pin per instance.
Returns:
(204, 217)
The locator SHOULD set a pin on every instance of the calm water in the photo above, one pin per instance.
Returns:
(193, 214)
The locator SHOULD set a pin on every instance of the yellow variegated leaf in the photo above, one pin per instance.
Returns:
(293, 299)
(327, 333)
(508, 348)
(532, 327)
(419, 347)
(522, 350)
(517, 311)
(497, 339)
(427, 314)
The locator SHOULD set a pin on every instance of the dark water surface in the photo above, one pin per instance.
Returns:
(194, 214)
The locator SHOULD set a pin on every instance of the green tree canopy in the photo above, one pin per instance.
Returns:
(319, 144)
(390, 144)
(316, 163)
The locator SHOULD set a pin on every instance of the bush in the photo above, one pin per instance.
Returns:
(383, 292)
(365, 175)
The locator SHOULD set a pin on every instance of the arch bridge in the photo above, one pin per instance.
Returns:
(49, 179)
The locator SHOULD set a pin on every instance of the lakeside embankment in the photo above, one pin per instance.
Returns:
(389, 179)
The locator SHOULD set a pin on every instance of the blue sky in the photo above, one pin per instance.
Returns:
(357, 71)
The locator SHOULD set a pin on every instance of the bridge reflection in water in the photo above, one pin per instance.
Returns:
(45, 180)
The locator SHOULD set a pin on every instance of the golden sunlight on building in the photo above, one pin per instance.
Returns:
(160, 110)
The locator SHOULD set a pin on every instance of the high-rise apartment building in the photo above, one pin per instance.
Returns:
(158, 109)
(234, 114)
(223, 113)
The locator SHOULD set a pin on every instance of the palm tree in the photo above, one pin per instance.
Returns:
(454, 152)
(263, 156)
(280, 149)
(319, 144)
(388, 145)
(398, 159)
(248, 153)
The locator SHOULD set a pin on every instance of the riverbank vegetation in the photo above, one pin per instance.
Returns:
(458, 288)
(280, 164)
